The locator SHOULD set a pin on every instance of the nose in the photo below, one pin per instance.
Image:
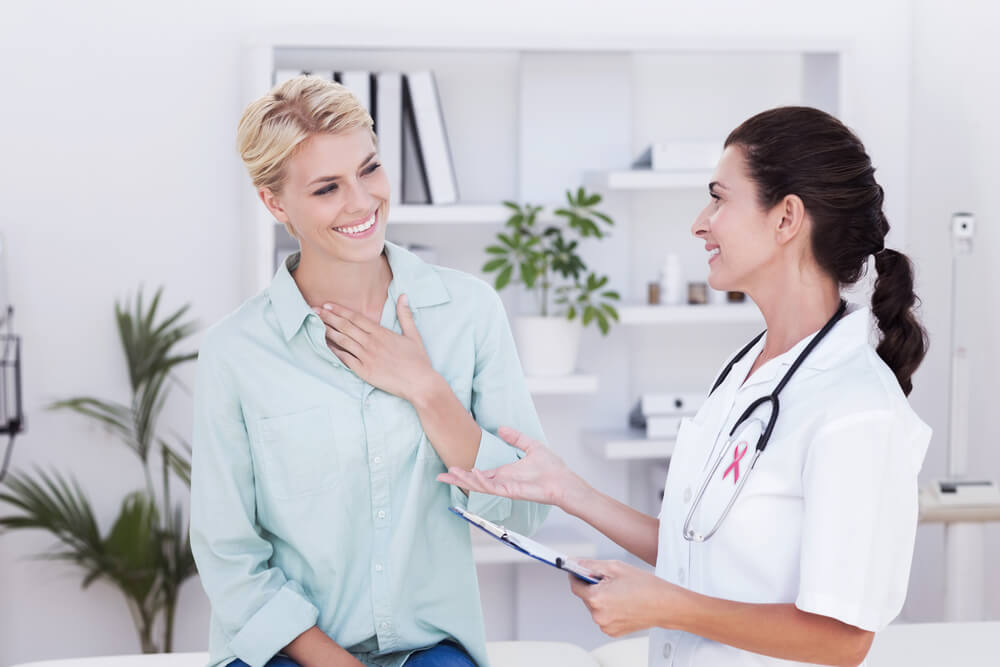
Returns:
(359, 200)
(699, 228)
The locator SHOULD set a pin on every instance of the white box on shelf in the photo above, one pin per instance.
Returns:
(674, 404)
(662, 426)
(681, 155)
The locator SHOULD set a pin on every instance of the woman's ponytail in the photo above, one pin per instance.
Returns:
(904, 341)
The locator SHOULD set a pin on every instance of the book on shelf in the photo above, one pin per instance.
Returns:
(430, 139)
(387, 112)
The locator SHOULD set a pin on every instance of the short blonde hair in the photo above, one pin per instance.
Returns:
(273, 127)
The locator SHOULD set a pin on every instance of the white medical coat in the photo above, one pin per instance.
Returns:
(826, 520)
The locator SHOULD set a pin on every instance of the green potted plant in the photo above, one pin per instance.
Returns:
(545, 260)
(145, 553)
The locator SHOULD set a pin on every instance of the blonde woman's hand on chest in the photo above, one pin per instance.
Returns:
(395, 363)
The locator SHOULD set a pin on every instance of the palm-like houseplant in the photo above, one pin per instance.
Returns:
(146, 553)
(545, 259)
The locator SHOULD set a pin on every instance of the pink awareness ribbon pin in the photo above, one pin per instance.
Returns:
(735, 465)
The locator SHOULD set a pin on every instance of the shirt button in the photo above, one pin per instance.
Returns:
(378, 567)
(667, 650)
(687, 495)
(368, 402)
(377, 460)
(381, 514)
(383, 625)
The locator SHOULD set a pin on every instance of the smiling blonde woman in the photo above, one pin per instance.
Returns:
(327, 405)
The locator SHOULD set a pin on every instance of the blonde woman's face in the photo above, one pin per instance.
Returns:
(336, 197)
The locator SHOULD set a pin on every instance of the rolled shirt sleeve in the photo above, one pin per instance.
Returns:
(500, 397)
(860, 486)
(259, 609)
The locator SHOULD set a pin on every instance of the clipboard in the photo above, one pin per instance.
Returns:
(528, 547)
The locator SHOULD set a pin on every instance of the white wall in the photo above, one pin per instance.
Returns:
(119, 169)
(954, 166)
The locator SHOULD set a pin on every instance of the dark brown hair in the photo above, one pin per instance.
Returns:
(807, 152)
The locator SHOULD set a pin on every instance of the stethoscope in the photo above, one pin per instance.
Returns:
(744, 425)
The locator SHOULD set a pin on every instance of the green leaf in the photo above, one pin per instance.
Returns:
(589, 312)
(507, 241)
(602, 322)
(133, 547)
(610, 310)
(513, 205)
(602, 216)
(593, 200)
(528, 274)
(504, 277)
(515, 220)
(494, 264)
(611, 294)
(496, 250)
(571, 313)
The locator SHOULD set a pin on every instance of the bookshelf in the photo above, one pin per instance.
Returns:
(647, 179)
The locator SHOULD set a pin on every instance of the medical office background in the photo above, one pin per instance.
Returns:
(118, 169)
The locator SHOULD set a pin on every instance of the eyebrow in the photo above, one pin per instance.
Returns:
(326, 179)
(716, 184)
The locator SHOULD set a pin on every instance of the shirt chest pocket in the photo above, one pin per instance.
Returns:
(297, 454)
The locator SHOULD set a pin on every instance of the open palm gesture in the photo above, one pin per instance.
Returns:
(539, 476)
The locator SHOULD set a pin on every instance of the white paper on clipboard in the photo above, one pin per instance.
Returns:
(528, 547)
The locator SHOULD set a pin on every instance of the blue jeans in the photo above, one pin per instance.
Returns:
(445, 654)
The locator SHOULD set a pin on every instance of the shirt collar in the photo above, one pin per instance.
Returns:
(852, 331)
(412, 276)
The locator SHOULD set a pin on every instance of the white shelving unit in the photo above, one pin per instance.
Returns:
(570, 384)
(647, 179)
(630, 445)
(693, 314)
(451, 214)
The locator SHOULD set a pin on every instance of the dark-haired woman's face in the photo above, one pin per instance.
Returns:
(734, 228)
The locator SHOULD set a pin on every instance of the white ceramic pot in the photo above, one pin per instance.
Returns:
(547, 345)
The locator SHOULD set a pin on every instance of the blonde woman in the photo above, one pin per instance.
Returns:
(327, 405)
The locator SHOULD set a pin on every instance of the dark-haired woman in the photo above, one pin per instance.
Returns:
(788, 518)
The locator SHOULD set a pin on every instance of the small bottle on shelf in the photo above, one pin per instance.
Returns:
(671, 281)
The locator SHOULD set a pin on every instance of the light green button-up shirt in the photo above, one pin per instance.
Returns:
(313, 495)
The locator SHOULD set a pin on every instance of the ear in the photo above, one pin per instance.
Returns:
(273, 205)
(791, 216)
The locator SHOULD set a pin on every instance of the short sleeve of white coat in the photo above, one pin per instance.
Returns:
(860, 496)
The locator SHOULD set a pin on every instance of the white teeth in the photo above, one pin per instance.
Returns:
(714, 251)
(363, 227)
